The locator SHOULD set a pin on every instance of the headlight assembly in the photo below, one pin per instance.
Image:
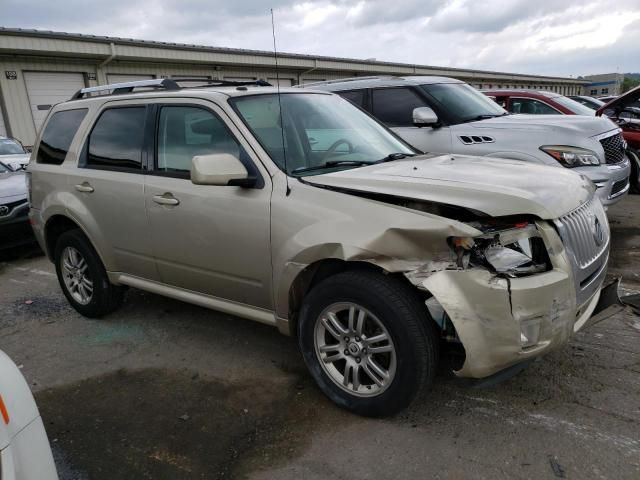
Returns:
(513, 252)
(572, 156)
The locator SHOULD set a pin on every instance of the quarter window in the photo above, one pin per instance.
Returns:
(394, 106)
(58, 135)
(116, 139)
(184, 132)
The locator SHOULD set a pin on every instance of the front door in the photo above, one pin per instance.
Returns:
(213, 240)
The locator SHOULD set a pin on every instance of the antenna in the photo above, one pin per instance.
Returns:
(284, 148)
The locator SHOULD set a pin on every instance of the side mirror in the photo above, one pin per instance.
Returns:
(424, 117)
(220, 169)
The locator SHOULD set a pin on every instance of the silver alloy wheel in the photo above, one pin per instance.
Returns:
(75, 275)
(355, 349)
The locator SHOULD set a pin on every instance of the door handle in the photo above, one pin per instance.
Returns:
(84, 187)
(166, 199)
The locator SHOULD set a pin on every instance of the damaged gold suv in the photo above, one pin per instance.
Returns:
(296, 209)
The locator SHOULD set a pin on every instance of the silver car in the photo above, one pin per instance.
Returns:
(444, 115)
(296, 209)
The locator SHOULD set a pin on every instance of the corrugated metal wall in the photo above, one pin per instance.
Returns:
(19, 119)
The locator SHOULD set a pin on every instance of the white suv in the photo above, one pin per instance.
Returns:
(444, 115)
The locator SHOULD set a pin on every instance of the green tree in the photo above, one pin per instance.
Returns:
(628, 83)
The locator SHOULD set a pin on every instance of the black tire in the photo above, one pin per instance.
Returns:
(402, 312)
(634, 181)
(105, 297)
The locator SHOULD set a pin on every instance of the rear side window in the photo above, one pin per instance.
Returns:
(58, 135)
(117, 138)
(354, 96)
(394, 106)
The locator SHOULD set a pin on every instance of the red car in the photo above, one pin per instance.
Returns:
(537, 103)
(625, 111)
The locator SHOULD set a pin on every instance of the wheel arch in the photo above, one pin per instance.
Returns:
(58, 224)
(320, 270)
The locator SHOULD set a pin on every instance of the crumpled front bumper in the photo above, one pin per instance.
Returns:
(489, 312)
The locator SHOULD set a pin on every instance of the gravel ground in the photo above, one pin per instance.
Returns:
(166, 390)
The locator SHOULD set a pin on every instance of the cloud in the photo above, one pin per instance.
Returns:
(550, 37)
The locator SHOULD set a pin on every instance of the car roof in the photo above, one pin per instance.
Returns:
(188, 92)
(356, 83)
(522, 92)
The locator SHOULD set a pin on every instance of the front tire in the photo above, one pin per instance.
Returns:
(368, 342)
(634, 180)
(83, 278)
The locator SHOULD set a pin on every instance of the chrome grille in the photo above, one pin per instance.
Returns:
(586, 233)
(613, 148)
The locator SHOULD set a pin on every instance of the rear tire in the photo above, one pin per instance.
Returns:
(368, 342)
(83, 278)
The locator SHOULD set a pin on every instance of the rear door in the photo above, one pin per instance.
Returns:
(213, 240)
(394, 107)
(108, 184)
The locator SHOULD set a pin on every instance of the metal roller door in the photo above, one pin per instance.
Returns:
(283, 82)
(118, 78)
(45, 89)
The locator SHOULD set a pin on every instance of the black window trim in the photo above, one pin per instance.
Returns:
(152, 150)
(84, 155)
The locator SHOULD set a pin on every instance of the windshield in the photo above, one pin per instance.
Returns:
(574, 106)
(462, 102)
(319, 130)
(10, 147)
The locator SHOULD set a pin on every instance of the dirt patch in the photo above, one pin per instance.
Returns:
(169, 425)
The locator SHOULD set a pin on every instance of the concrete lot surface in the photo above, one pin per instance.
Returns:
(165, 390)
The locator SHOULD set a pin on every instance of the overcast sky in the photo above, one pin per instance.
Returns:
(550, 37)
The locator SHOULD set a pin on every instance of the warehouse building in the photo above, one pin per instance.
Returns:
(40, 68)
(604, 84)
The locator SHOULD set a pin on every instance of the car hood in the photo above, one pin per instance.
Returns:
(622, 101)
(12, 185)
(580, 124)
(497, 187)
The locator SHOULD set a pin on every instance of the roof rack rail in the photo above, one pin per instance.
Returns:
(127, 87)
(164, 83)
(220, 83)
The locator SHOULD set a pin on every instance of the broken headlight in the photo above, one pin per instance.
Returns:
(515, 251)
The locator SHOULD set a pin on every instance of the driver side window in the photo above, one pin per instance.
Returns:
(184, 132)
(321, 138)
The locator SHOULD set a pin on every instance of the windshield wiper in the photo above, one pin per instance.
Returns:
(331, 163)
(395, 156)
(484, 117)
(355, 163)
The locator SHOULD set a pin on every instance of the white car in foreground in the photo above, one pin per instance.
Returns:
(25, 453)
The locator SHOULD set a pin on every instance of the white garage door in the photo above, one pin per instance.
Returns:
(117, 78)
(45, 89)
(283, 82)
